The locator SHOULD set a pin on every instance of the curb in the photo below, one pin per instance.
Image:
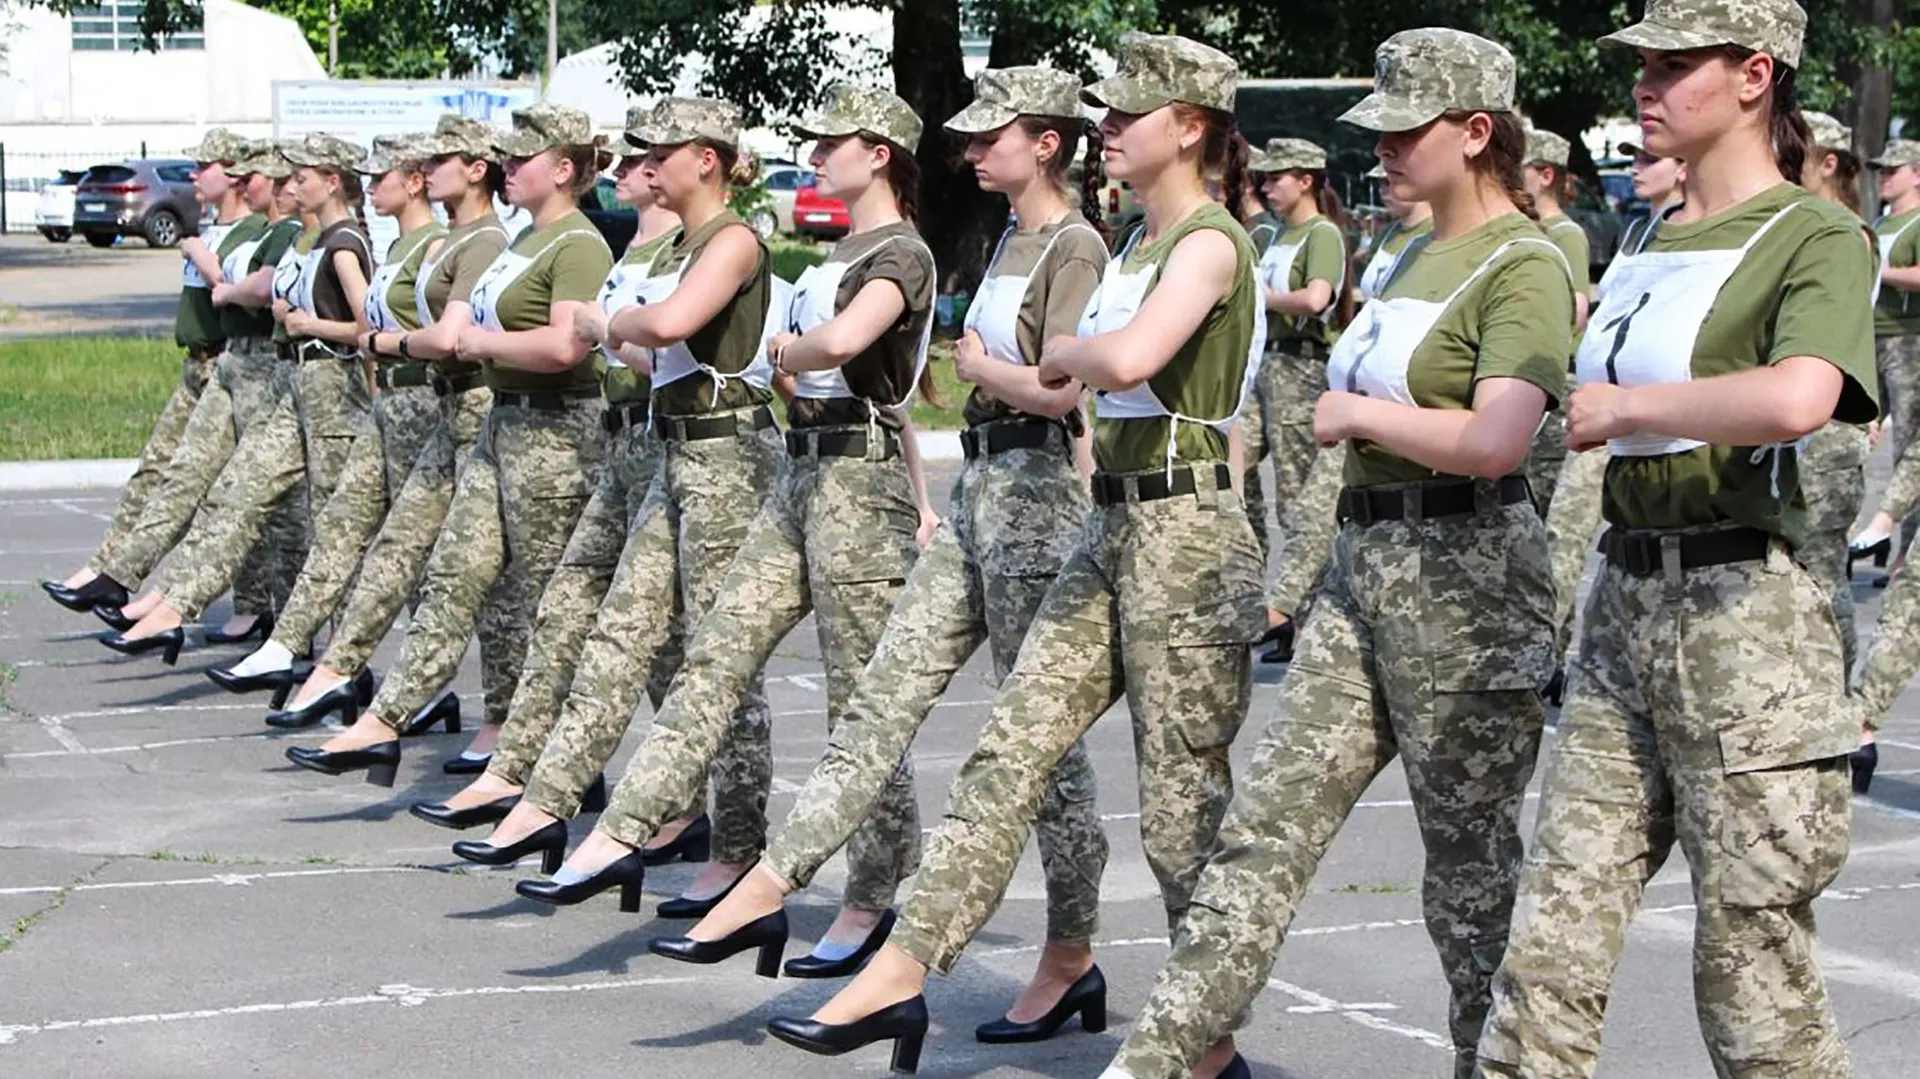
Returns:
(19, 476)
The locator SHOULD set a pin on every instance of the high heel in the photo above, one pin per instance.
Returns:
(262, 628)
(808, 966)
(1862, 762)
(682, 909)
(281, 682)
(595, 800)
(168, 640)
(464, 765)
(904, 1024)
(1281, 637)
(447, 817)
(1086, 997)
(1877, 549)
(693, 844)
(626, 874)
(113, 616)
(381, 760)
(445, 710)
(549, 842)
(767, 933)
(347, 698)
(102, 589)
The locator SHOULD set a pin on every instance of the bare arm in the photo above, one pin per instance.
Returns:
(874, 310)
(1581, 309)
(1904, 278)
(917, 476)
(1779, 403)
(1197, 275)
(1016, 384)
(1301, 302)
(713, 280)
(353, 282)
(549, 349)
(253, 290)
(1490, 439)
(195, 250)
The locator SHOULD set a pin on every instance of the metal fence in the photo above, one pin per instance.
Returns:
(26, 172)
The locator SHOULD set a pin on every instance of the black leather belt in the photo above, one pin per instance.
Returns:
(1303, 347)
(1639, 553)
(619, 417)
(400, 376)
(1000, 436)
(545, 400)
(704, 428)
(1154, 486)
(1364, 506)
(448, 385)
(285, 350)
(816, 443)
(205, 352)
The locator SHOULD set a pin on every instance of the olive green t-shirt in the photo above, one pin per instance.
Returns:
(1263, 228)
(1898, 312)
(1322, 257)
(449, 271)
(730, 341)
(1571, 239)
(409, 252)
(238, 320)
(884, 371)
(1514, 321)
(196, 322)
(1056, 297)
(570, 260)
(1205, 376)
(1799, 292)
(1397, 236)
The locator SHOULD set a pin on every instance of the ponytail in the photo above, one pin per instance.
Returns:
(1328, 203)
(902, 175)
(1224, 152)
(1092, 180)
(1788, 129)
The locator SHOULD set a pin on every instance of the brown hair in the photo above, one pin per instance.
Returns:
(1093, 178)
(1787, 129)
(903, 176)
(1846, 178)
(495, 178)
(1328, 203)
(1224, 151)
(586, 167)
(738, 168)
(1504, 158)
(1561, 186)
(1060, 166)
(352, 192)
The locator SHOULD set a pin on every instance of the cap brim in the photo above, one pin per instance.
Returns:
(1652, 35)
(1385, 112)
(1123, 94)
(981, 117)
(819, 127)
(521, 145)
(1888, 163)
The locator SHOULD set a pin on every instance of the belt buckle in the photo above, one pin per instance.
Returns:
(1360, 507)
(1638, 556)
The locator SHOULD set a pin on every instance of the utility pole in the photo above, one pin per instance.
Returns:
(333, 38)
(553, 40)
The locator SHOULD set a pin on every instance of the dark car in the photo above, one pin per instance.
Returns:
(1605, 227)
(151, 198)
(617, 223)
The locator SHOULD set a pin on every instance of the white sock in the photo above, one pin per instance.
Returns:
(431, 705)
(269, 658)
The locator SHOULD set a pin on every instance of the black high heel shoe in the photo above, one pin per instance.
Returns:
(168, 640)
(549, 842)
(113, 616)
(808, 966)
(626, 874)
(347, 698)
(446, 817)
(1281, 638)
(767, 933)
(282, 683)
(1087, 997)
(693, 844)
(382, 761)
(904, 1024)
(262, 628)
(1880, 550)
(1863, 761)
(445, 710)
(102, 589)
(466, 766)
(680, 908)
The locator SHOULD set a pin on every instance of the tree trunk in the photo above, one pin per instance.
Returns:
(1869, 108)
(928, 72)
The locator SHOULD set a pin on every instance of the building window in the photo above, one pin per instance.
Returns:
(115, 27)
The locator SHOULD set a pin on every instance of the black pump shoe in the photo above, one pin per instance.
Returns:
(282, 683)
(382, 761)
(693, 844)
(466, 766)
(808, 966)
(262, 628)
(1879, 550)
(445, 710)
(347, 698)
(168, 641)
(102, 589)
(626, 874)
(904, 1024)
(549, 842)
(1863, 761)
(1087, 997)
(1236, 1069)
(113, 616)
(1281, 638)
(485, 813)
(681, 908)
(767, 933)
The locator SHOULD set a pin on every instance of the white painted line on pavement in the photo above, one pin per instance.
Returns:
(61, 735)
(406, 996)
(69, 507)
(1363, 1014)
(142, 747)
(228, 880)
(808, 682)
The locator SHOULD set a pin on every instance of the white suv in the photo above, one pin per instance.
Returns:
(53, 215)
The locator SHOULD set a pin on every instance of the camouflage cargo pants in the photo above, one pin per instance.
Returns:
(375, 470)
(1707, 711)
(162, 443)
(1016, 517)
(1427, 642)
(836, 537)
(514, 506)
(1902, 495)
(1895, 654)
(1279, 424)
(1573, 522)
(1898, 362)
(1157, 603)
(390, 571)
(706, 498)
(1545, 459)
(306, 438)
(1833, 477)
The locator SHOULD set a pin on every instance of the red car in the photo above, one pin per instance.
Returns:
(819, 217)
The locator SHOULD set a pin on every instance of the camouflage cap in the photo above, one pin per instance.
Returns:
(1152, 71)
(392, 151)
(541, 127)
(1898, 152)
(675, 120)
(1285, 155)
(323, 151)
(1774, 27)
(219, 144)
(1419, 75)
(1829, 133)
(1003, 95)
(851, 109)
(1547, 147)
(456, 134)
(262, 158)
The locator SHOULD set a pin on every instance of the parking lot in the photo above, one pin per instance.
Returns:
(49, 288)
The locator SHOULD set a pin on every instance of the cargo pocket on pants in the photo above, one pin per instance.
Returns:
(1784, 822)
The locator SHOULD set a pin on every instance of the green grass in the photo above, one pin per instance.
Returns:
(80, 397)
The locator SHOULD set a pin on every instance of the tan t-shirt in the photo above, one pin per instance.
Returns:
(449, 271)
(1056, 297)
(884, 371)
